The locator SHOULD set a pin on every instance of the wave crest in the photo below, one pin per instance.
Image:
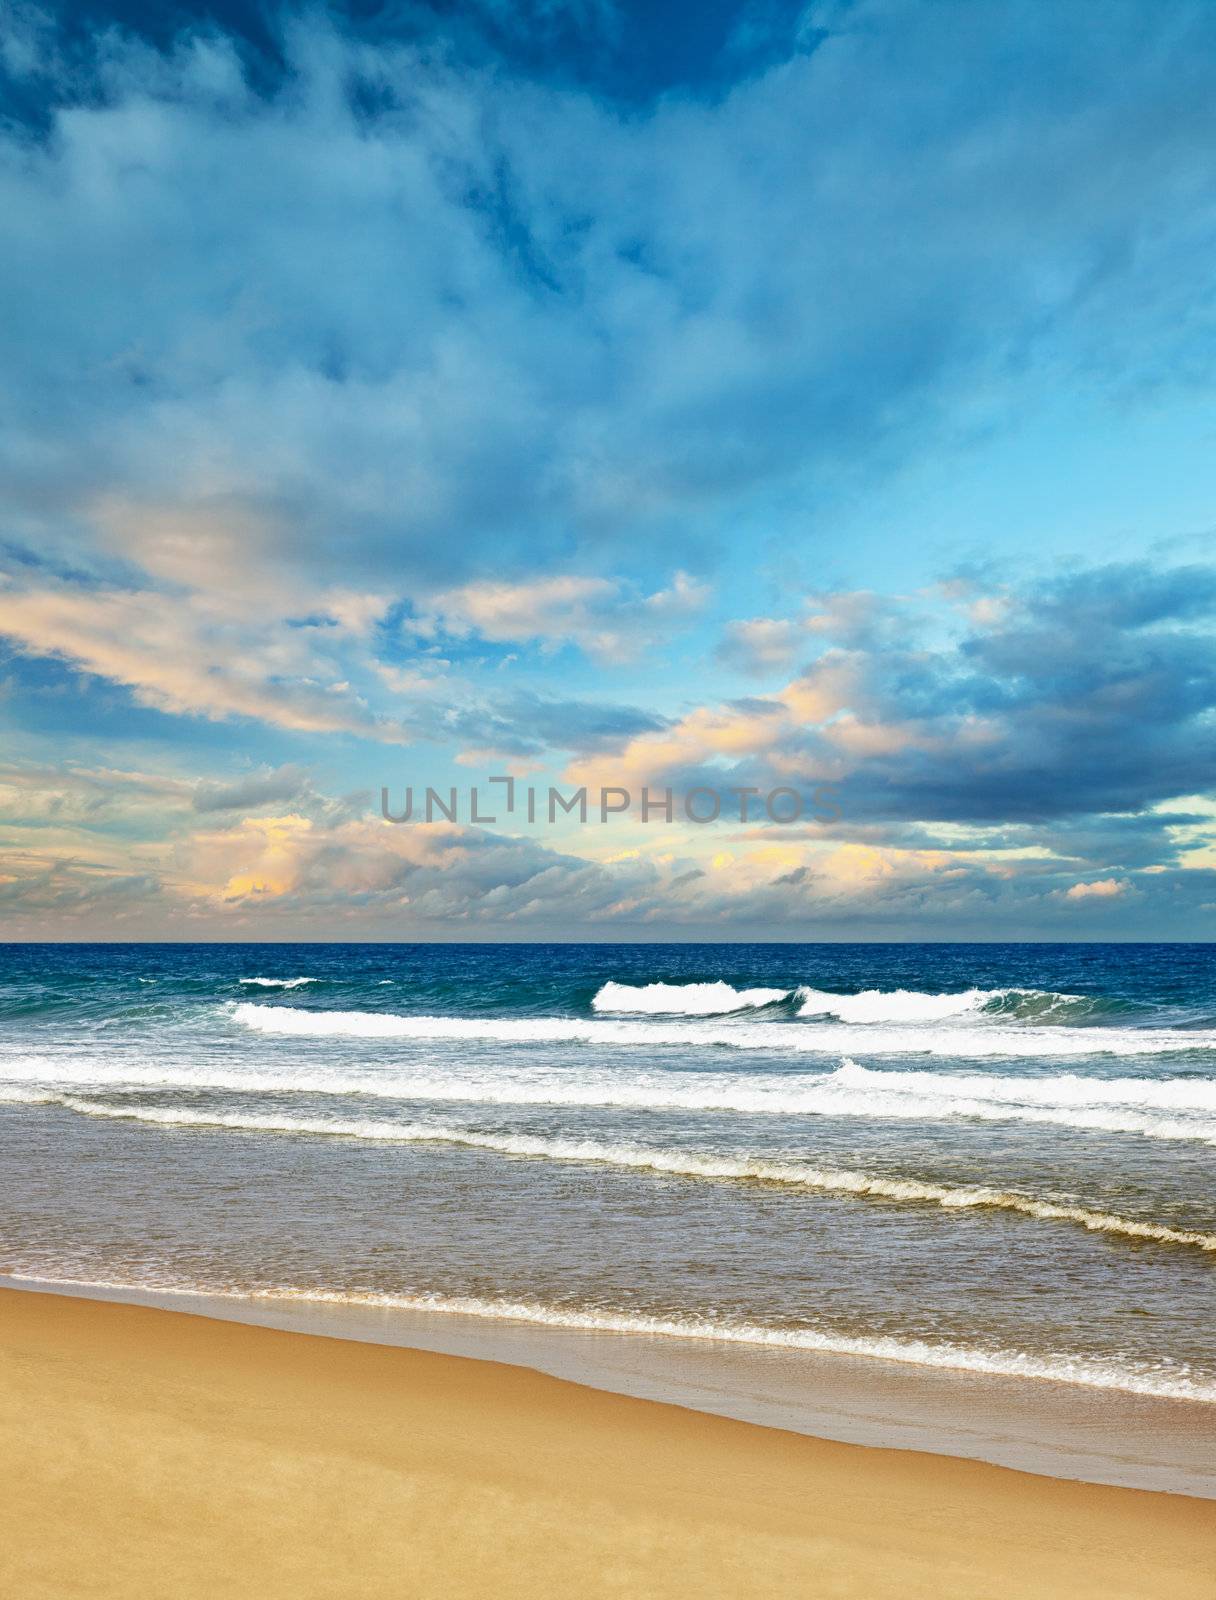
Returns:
(278, 983)
(683, 999)
(895, 1005)
(1010, 1042)
(866, 1006)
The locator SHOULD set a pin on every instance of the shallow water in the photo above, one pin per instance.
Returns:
(994, 1159)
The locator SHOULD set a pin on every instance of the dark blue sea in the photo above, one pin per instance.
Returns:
(992, 1158)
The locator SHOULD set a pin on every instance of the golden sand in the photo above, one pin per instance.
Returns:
(155, 1454)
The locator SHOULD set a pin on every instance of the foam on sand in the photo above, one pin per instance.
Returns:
(1165, 1380)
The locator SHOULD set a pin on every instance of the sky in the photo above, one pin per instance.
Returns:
(740, 396)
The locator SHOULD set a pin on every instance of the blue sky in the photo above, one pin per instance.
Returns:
(649, 395)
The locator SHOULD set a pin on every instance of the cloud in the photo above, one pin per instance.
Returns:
(351, 377)
(331, 865)
(75, 897)
(288, 866)
(761, 645)
(582, 725)
(391, 317)
(370, 874)
(1103, 889)
(72, 804)
(1091, 695)
(608, 621)
(854, 619)
(265, 787)
(188, 655)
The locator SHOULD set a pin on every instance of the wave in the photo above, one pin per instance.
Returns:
(895, 1005)
(1058, 1089)
(868, 1006)
(683, 999)
(1170, 1108)
(1048, 1005)
(1164, 1380)
(279, 983)
(676, 1163)
(909, 1005)
(817, 1039)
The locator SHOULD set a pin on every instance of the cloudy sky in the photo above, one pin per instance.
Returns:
(732, 395)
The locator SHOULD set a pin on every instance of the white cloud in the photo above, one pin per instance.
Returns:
(605, 618)
(851, 618)
(762, 645)
(186, 653)
(1102, 889)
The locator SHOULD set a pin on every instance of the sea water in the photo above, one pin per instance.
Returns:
(992, 1159)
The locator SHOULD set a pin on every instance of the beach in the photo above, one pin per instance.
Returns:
(155, 1452)
(843, 1271)
(607, 803)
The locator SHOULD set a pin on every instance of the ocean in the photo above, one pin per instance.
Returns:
(988, 1158)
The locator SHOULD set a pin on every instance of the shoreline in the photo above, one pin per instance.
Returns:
(164, 1452)
(1047, 1427)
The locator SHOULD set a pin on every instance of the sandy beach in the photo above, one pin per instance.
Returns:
(154, 1452)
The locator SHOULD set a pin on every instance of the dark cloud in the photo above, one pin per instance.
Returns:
(1095, 695)
(276, 787)
(1075, 707)
(63, 894)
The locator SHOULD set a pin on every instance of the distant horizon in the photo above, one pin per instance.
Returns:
(609, 943)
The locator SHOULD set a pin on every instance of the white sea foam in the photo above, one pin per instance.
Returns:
(677, 1163)
(1164, 1380)
(1056, 1090)
(278, 983)
(1159, 1108)
(1008, 1042)
(896, 1005)
(868, 1006)
(683, 999)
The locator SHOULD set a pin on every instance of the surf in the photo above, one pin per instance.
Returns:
(683, 999)
(1169, 1109)
(738, 1034)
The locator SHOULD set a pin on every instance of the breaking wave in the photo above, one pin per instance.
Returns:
(683, 999)
(896, 1005)
(816, 1039)
(867, 1006)
(1159, 1108)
